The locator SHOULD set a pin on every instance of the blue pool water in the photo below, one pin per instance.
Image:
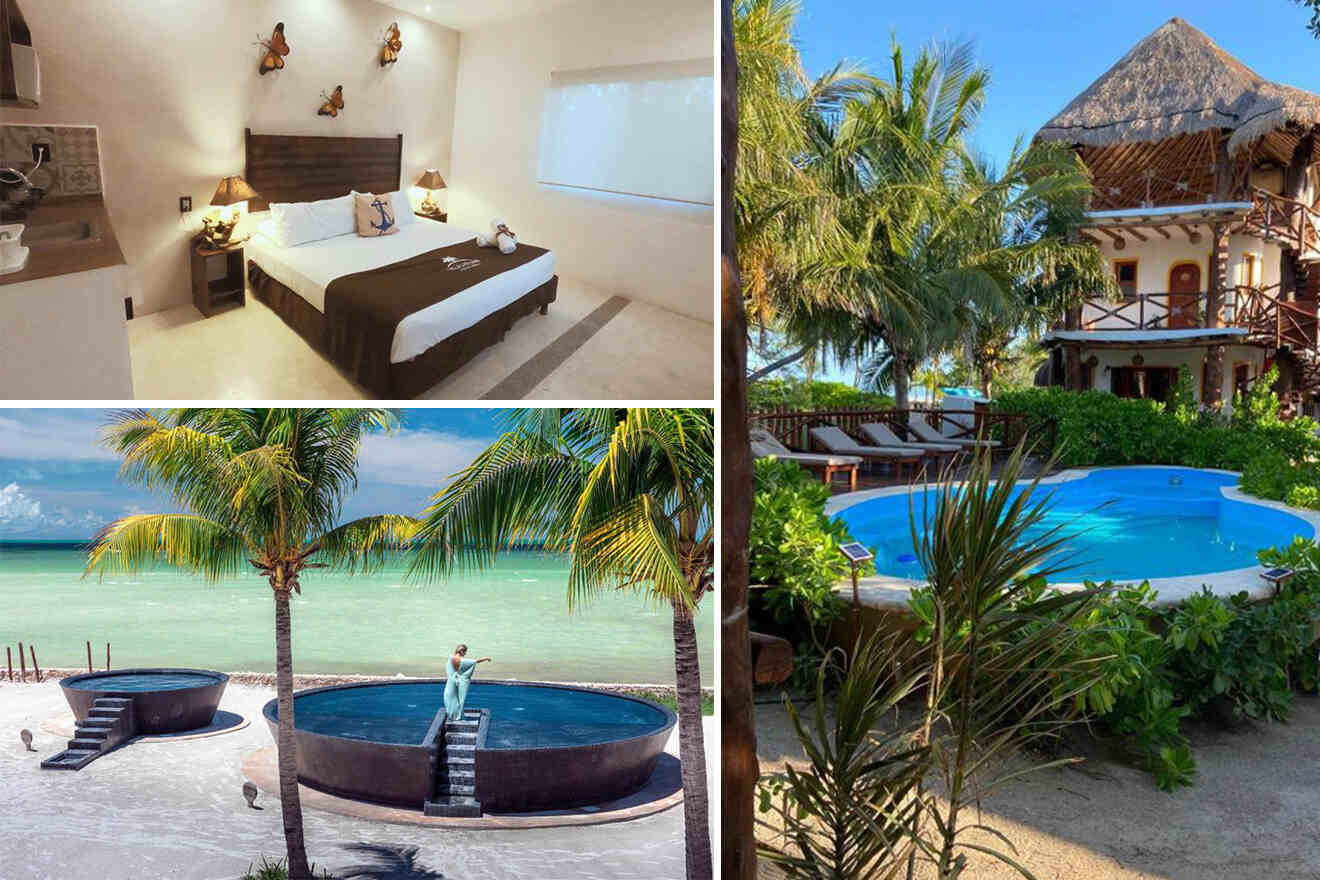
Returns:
(521, 716)
(1129, 524)
(144, 681)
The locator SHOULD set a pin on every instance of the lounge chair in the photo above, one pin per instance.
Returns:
(833, 440)
(922, 429)
(883, 435)
(765, 444)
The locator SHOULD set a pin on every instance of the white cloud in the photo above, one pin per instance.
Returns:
(17, 509)
(21, 514)
(425, 459)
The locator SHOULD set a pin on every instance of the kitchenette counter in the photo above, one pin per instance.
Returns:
(67, 235)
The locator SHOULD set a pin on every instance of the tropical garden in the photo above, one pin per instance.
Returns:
(628, 495)
(869, 236)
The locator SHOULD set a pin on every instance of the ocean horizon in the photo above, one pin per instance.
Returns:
(375, 624)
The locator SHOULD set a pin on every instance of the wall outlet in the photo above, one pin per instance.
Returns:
(185, 204)
(41, 152)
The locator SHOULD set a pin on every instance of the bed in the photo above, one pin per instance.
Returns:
(443, 319)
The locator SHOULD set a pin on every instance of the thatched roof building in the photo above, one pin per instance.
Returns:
(1149, 127)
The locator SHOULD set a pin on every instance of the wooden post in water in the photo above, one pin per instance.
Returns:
(89, 655)
(107, 656)
(9, 656)
(22, 664)
(35, 668)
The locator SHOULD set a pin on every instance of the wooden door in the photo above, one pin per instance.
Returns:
(1184, 295)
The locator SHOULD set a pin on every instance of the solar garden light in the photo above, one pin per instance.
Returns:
(1278, 577)
(856, 553)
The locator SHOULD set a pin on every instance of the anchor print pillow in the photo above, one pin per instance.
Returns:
(375, 214)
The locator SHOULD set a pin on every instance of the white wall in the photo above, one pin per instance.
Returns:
(1191, 358)
(1158, 255)
(659, 252)
(171, 84)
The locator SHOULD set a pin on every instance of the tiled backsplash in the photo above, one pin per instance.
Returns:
(75, 169)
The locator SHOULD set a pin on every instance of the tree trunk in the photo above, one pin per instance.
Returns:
(290, 803)
(691, 747)
(739, 769)
(900, 381)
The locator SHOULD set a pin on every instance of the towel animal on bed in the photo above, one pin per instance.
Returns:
(500, 236)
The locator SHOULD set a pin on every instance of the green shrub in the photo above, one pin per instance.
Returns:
(1144, 670)
(269, 870)
(1096, 428)
(803, 394)
(793, 547)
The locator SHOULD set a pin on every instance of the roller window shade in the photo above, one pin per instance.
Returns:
(643, 130)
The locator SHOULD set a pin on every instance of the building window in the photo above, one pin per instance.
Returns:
(1250, 271)
(638, 130)
(1153, 383)
(1125, 273)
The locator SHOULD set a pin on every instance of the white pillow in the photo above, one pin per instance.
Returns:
(297, 223)
(403, 209)
(267, 228)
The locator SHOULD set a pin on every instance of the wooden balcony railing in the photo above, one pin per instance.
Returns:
(1294, 225)
(1267, 319)
(1146, 311)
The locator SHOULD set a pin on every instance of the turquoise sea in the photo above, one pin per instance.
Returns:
(380, 624)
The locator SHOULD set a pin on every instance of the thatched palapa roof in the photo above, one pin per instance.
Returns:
(1175, 82)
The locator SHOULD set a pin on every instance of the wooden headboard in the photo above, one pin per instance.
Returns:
(304, 168)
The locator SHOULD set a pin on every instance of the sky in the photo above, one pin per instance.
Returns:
(58, 483)
(1043, 54)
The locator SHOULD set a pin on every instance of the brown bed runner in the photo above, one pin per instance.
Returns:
(363, 310)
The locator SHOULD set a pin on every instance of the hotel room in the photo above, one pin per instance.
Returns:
(350, 199)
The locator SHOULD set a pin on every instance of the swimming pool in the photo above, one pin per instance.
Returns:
(164, 700)
(1129, 523)
(539, 746)
(521, 716)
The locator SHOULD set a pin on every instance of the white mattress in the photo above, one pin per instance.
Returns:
(309, 268)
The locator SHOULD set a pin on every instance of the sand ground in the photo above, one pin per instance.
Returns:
(156, 809)
(1251, 814)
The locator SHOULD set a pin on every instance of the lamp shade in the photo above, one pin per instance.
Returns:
(231, 191)
(431, 180)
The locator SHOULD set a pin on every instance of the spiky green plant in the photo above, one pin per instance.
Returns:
(629, 495)
(262, 488)
(849, 814)
(999, 646)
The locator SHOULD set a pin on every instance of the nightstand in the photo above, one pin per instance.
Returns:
(443, 216)
(213, 294)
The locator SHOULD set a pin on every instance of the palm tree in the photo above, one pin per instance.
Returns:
(262, 488)
(630, 496)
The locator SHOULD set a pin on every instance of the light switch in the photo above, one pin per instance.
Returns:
(185, 204)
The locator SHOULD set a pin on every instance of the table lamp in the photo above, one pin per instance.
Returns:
(430, 181)
(232, 191)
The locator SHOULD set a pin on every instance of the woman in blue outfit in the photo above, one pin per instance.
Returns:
(457, 681)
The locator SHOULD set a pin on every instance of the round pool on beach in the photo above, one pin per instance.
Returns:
(545, 746)
(1128, 523)
(164, 700)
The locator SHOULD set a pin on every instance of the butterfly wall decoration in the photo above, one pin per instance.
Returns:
(276, 48)
(333, 103)
(389, 53)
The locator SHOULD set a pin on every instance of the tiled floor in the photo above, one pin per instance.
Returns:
(642, 353)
